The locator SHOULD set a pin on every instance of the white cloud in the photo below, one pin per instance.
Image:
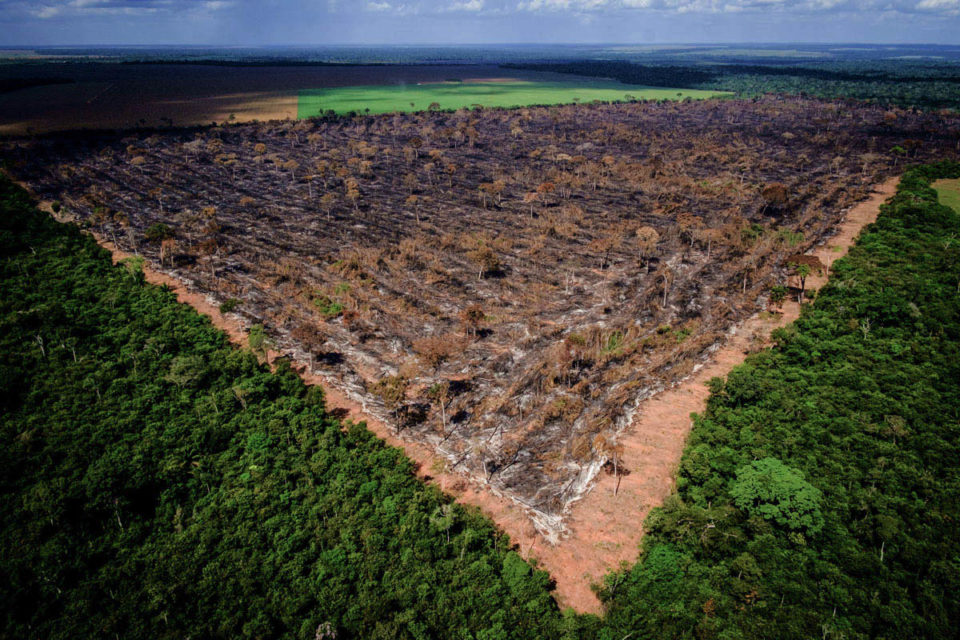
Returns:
(467, 5)
(560, 5)
(583, 11)
(938, 5)
(46, 12)
(732, 6)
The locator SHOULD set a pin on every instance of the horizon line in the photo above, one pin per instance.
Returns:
(716, 43)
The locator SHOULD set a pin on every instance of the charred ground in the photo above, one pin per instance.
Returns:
(506, 285)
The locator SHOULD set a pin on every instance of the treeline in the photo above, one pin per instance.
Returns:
(649, 75)
(253, 62)
(158, 483)
(928, 87)
(819, 493)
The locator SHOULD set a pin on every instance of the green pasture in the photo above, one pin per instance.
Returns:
(455, 95)
(949, 193)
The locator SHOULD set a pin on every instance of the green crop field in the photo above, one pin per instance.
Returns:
(949, 193)
(454, 95)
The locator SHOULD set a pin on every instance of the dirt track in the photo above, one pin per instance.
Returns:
(604, 527)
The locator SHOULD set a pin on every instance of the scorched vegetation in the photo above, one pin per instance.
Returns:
(505, 285)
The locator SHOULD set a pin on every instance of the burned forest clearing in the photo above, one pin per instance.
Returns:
(505, 287)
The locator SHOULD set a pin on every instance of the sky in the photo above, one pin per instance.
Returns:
(385, 22)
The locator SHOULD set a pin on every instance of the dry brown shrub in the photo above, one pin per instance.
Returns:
(581, 448)
(433, 351)
(409, 252)
(565, 408)
(308, 334)
(472, 318)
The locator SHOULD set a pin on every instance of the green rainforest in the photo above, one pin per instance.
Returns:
(158, 482)
(923, 85)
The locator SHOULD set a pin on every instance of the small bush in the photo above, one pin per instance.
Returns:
(229, 305)
(327, 307)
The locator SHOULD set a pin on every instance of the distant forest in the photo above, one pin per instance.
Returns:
(159, 483)
(920, 85)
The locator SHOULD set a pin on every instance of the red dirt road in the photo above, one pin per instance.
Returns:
(604, 528)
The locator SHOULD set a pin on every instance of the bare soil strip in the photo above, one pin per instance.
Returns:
(604, 528)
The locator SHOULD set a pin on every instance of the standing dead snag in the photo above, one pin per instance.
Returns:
(492, 190)
(472, 317)
(392, 391)
(486, 260)
(352, 192)
(601, 248)
(647, 239)
(413, 202)
(167, 247)
(530, 198)
(161, 233)
(415, 144)
(483, 190)
(327, 201)
(451, 170)
(689, 227)
(665, 275)
(440, 394)
(709, 236)
(614, 454)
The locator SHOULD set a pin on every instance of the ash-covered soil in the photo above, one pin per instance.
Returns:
(505, 285)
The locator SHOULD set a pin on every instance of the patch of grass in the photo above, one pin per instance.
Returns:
(949, 193)
(327, 307)
(614, 342)
(455, 95)
(790, 238)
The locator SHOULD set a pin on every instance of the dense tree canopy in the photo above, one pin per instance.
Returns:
(927, 84)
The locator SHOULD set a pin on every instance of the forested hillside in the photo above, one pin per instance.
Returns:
(158, 483)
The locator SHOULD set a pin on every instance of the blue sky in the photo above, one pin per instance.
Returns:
(255, 22)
